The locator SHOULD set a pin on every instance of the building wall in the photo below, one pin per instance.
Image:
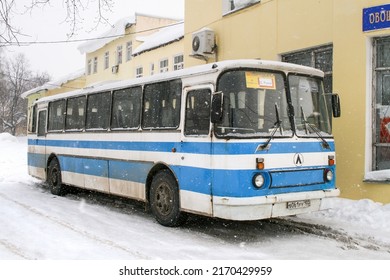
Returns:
(127, 69)
(269, 29)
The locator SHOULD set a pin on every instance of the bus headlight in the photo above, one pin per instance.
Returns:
(258, 180)
(328, 175)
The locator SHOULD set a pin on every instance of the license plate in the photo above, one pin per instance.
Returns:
(298, 204)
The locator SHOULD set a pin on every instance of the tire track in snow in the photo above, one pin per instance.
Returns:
(84, 233)
(14, 249)
(350, 242)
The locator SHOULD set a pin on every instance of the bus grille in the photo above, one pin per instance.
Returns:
(292, 178)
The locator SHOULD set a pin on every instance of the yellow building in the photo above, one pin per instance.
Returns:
(124, 50)
(75, 80)
(348, 39)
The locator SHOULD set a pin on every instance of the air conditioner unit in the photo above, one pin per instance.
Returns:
(114, 69)
(203, 42)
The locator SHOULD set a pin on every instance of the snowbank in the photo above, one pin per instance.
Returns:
(6, 137)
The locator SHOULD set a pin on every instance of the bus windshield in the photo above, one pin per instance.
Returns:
(312, 116)
(254, 105)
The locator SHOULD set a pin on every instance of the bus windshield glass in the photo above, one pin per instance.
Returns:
(254, 105)
(312, 116)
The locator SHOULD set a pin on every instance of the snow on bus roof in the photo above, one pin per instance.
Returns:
(190, 71)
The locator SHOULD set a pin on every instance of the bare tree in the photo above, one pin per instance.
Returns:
(16, 79)
(9, 34)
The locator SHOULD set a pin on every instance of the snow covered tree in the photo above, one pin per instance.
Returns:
(16, 78)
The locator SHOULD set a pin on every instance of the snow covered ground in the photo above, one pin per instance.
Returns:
(35, 225)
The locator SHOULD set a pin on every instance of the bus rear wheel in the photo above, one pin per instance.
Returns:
(54, 178)
(165, 200)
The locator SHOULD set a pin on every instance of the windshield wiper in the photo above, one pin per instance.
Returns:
(277, 125)
(316, 130)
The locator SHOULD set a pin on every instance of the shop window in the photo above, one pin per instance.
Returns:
(320, 58)
(381, 113)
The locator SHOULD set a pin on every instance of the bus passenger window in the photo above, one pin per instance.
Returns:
(32, 120)
(56, 115)
(75, 113)
(98, 111)
(42, 123)
(197, 118)
(126, 108)
(162, 105)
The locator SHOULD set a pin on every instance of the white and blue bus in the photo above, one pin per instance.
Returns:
(237, 140)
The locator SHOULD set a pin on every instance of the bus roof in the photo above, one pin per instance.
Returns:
(214, 67)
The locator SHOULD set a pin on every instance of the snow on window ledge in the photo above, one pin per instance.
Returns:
(238, 5)
(382, 176)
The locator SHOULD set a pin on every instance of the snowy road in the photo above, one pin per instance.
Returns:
(34, 224)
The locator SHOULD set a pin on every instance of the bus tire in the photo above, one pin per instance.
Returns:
(165, 200)
(54, 178)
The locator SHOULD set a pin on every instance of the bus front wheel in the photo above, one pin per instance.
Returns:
(165, 200)
(54, 178)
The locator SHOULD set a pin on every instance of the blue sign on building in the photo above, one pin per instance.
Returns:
(375, 18)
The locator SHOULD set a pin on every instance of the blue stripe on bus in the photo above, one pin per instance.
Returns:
(188, 147)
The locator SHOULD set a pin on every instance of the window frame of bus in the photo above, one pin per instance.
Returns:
(132, 91)
(58, 126)
(42, 123)
(32, 120)
(87, 116)
(219, 100)
(153, 96)
(82, 128)
(191, 132)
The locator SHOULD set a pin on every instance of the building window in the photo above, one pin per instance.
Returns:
(178, 62)
(381, 96)
(129, 50)
(106, 60)
(119, 55)
(151, 69)
(89, 67)
(229, 6)
(139, 72)
(95, 64)
(164, 67)
(320, 58)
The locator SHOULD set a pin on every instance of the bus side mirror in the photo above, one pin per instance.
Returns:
(336, 105)
(216, 107)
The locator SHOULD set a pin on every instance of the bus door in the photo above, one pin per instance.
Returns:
(196, 174)
(37, 148)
